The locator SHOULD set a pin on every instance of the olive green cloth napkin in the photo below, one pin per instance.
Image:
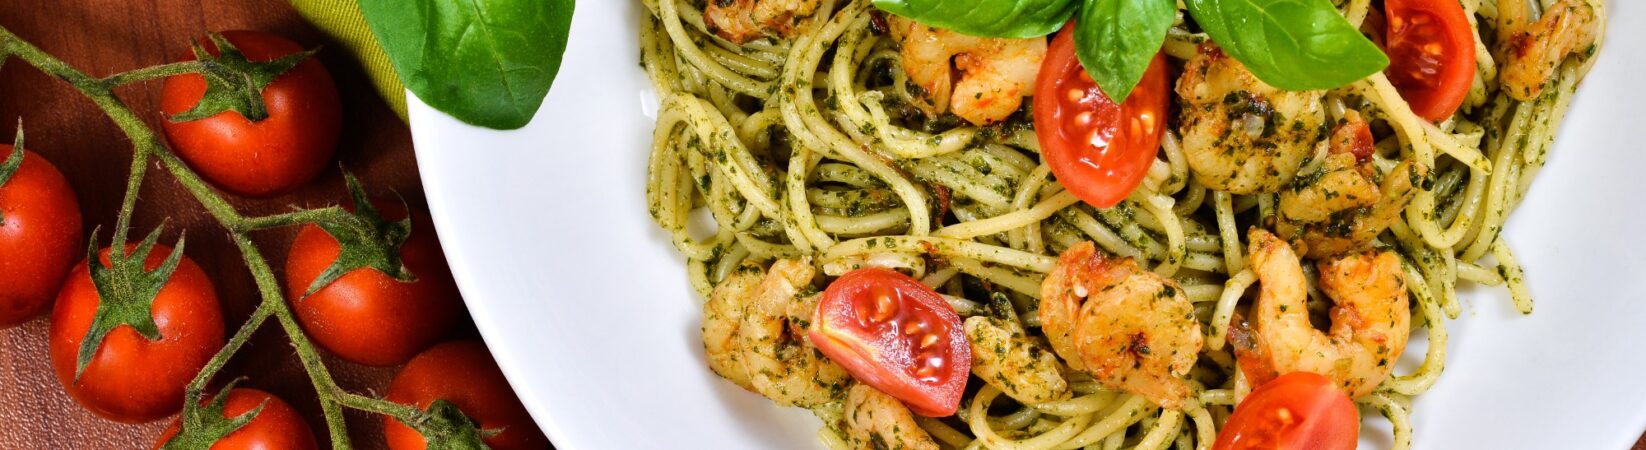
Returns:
(343, 21)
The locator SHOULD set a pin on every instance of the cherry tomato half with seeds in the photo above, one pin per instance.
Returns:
(130, 378)
(366, 316)
(40, 236)
(1098, 150)
(463, 373)
(893, 333)
(276, 426)
(269, 157)
(1431, 55)
(1298, 410)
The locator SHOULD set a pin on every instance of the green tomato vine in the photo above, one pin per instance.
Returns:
(373, 241)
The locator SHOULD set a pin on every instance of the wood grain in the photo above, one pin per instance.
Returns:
(102, 37)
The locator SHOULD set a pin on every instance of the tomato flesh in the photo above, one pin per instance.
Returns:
(1431, 55)
(893, 333)
(1298, 410)
(1099, 150)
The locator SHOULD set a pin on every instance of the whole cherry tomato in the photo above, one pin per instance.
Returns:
(366, 316)
(1298, 410)
(271, 156)
(1098, 150)
(463, 373)
(129, 377)
(1431, 55)
(893, 333)
(276, 427)
(40, 236)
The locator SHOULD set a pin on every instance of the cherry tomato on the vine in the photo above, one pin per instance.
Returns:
(366, 316)
(276, 427)
(463, 373)
(893, 333)
(1298, 410)
(1431, 55)
(1098, 150)
(130, 378)
(268, 157)
(40, 236)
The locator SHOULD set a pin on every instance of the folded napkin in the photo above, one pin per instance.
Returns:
(343, 21)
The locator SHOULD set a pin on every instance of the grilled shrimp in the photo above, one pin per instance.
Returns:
(1534, 49)
(1371, 319)
(1010, 360)
(1133, 330)
(995, 75)
(1340, 207)
(741, 21)
(754, 335)
(1241, 135)
(875, 420)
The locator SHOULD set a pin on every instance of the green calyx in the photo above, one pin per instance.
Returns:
(444, 427)
(234, 83)
(201, 426)
(125, 292)
(365, 240)
(12, 162)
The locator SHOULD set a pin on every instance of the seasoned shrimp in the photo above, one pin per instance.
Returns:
(742, 21)
(875, 420)
(995, 75)
(754, 335)
(1340, 208)
(1532, 50)
(1239, 134)
(1133, 330)
(1371, 319)
(722, 316)
(1012, 361)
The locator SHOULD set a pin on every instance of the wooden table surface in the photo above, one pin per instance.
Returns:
(107, 36)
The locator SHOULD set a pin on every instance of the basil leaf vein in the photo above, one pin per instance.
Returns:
(1290, 44)
(986, 18)
(1117, 39)
(485, 62)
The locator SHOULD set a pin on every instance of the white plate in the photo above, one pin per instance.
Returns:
(585, 303)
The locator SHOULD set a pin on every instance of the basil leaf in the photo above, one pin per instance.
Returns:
(1290, 44)
(1117, 39)
(485, 62)
(986, 18)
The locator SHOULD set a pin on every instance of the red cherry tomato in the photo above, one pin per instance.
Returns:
(1298, 410)
(895, 334)
(1431, 55)
(367, 316)
(271, 156)
(463, 373)
(130, 378)
(40, 237)
(1097, 149)
(277, 426)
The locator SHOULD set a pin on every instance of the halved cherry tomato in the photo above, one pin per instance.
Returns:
(40, 236)
(1298, 410)
(1097, 149)
(898, 335)
(1431, 55)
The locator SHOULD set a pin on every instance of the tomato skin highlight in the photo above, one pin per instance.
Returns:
(277, 426)
(1298, 410)
(463, 373)
(1431, 55)
(897, 335)
(1099, 150)
(40, 237)
(131, 379)
(266, 158)
(366, 316)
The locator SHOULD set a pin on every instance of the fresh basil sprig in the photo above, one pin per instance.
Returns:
(1116, 40)
(485, 62)
(1289, 44)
